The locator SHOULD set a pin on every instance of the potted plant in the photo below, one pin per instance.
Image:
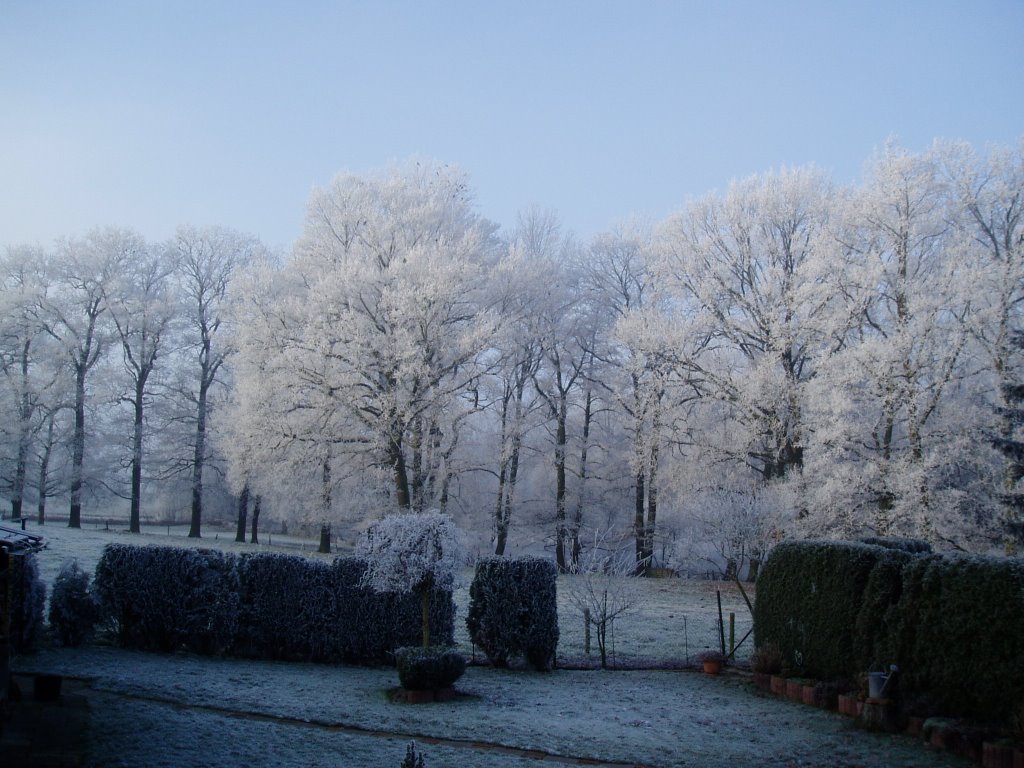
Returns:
(712, 661)
(415, 553)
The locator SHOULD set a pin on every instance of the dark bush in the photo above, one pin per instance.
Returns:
(808, 598)
(429, 669)
(28, 598)
(513, 610)
(165, 598)
(73, 611)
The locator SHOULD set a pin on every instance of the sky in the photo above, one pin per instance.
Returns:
(149, 114)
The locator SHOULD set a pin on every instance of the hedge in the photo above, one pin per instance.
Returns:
(951, 623)
(513, 610)
(260, 605)
(808, 598)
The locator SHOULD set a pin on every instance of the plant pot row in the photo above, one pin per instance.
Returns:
(875, 713)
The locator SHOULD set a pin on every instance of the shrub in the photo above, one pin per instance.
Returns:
(28, 597)
(872, 633)
(428, 669)
(164, 598)
(513, 610)
(808, 599)
(73, 611)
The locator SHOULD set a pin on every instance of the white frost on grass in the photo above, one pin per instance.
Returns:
(654, 718)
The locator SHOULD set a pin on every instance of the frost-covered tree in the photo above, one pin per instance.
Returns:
(29, 369)
(207, 260)
(374, 336)
(746, 271)
(988, 191)
(886, 433)
(75, 316)
(142, 306)
(412, 552)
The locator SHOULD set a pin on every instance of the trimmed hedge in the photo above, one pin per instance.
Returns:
(808, 599)
(166, 598)
(957, 632)
(513, 610)
(297, 608)
(952, 623)
(261, 605)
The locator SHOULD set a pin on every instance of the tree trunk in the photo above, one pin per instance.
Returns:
(243, 512)
(136, 503)
(396, 458)
(78, 450)
(256, 519)
(560, 440)
(44, 469)
(638, 521)
(198, 460)
(577, 521)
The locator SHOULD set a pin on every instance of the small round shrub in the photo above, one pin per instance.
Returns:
(429, 669)
(73, 611)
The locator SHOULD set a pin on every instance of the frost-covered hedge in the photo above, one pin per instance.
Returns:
(296, 608)
(261, 605)
(164, 598)
(951, 623)
(513, 610)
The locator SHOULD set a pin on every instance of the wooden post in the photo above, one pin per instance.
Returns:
(586, 631)
(732, 633)
(721, 622)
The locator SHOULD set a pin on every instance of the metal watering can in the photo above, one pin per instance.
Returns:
(878, 682)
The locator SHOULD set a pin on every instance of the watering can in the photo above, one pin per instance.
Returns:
(878, 682)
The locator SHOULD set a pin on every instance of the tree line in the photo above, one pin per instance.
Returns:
(790, 358)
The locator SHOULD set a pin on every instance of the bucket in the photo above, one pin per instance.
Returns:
(877, 683)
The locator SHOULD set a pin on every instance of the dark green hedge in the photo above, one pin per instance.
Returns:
(260, 605)
(959, 631)
(808, 598)
(952, 623)
(513, 610)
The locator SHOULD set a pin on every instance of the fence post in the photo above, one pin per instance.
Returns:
(732, 633)
(586, 631)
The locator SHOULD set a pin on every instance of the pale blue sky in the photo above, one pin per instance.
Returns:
(149, 114)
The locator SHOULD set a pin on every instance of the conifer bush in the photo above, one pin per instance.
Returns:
(73, 610)
(513, 610)
(28, 598)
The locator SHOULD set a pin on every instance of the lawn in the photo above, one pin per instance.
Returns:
(181, 709)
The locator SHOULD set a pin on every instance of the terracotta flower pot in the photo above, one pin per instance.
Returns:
(712, 666)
